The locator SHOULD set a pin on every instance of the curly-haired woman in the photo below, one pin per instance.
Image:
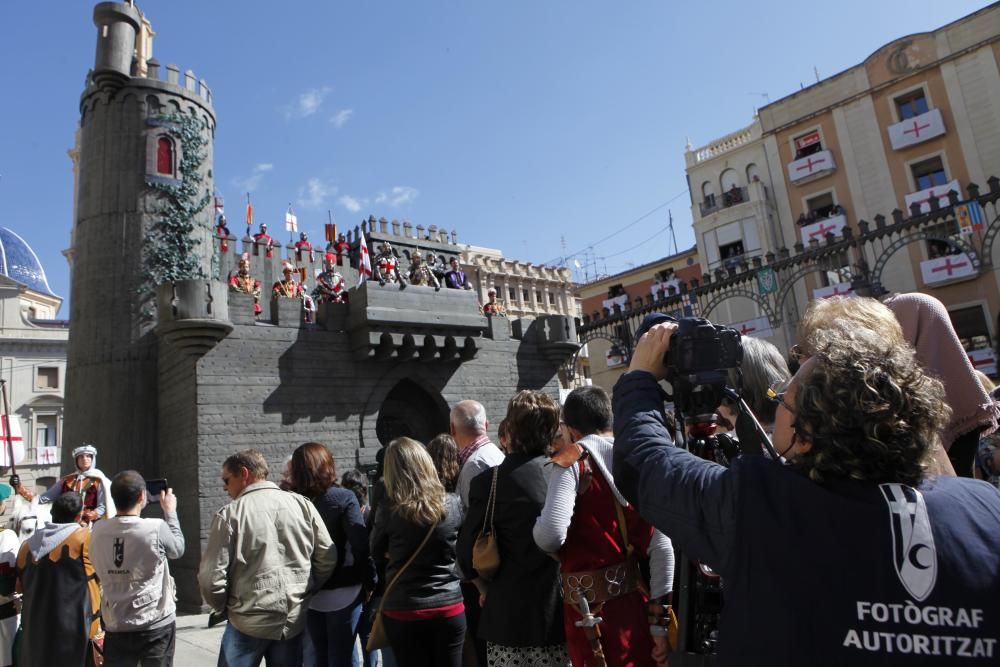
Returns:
(423, 613)
(852, 549)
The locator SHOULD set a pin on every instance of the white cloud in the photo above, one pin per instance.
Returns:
(397, 196)
(250, 183)
(315, 193)
(350, 203)
(340, 118)
(307, 103)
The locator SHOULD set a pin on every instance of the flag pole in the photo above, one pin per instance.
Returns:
(6, 430)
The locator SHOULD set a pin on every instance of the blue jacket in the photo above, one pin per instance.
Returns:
(820, 574)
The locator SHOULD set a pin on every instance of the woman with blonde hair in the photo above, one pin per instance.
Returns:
(415, 531)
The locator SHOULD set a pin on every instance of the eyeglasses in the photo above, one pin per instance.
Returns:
(776, 394)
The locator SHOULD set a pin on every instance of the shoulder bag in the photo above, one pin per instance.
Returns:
(377, 638)
(486, 551)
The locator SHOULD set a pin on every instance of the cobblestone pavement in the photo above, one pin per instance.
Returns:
(197, 645)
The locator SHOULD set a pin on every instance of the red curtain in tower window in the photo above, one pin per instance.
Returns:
(164, 156)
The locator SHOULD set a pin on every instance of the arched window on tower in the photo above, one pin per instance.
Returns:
(165, 155)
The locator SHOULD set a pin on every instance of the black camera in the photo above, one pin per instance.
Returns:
(697, 362)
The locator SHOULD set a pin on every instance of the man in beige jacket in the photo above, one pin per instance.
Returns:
(268, 552)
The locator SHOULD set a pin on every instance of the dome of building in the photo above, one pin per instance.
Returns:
(19, 262)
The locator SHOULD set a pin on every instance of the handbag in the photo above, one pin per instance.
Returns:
(486, 551)
(377, 638)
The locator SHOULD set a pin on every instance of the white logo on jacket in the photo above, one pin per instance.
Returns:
(913, 549)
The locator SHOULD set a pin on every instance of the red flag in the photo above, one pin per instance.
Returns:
(364, 262)
(249, 213)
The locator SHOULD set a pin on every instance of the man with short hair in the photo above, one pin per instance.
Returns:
(268, 552)
(849, 554)
(580, 525)
(62, 600)
(137, 592)
(468, 425)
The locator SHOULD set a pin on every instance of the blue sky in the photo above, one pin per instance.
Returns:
(516, 123)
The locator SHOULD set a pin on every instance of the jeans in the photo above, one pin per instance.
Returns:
(330, 637)
(434, 642)
(365, 630)
(149, 648)
(242, 650)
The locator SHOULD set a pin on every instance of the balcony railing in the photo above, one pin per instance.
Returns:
(729, 198)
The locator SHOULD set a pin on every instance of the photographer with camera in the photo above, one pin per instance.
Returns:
(855, 425)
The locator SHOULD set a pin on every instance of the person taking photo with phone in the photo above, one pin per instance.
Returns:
(130, 555)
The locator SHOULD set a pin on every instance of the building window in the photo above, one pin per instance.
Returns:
(912, 104)
(937, 248)
(807, 144)
(511, 294)
(552, 299)
(731, 251)
(525, 296)
(165, 156)
(820, 206)
(47, 377)
(971, 326)
(45, 431)
(538, 298)
(928, 173)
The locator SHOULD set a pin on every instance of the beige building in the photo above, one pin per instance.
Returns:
(629, 291)
(527, 290)
(917, 119)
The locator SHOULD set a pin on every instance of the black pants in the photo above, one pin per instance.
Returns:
(148, 648)
(435, 642)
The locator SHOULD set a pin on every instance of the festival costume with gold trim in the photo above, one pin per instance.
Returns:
(247, 284)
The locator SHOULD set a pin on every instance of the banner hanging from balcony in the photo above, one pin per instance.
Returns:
(815, 164)
(970, 217)
(840, 289)
(939, 192)
(917, 129)
(984, 360)
(767, 281)
(949, 268)
(818, 230)
(759, 327)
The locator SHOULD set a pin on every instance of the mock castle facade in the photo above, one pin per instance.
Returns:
(172, 386)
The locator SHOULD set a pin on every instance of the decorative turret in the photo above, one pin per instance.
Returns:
(117, 25)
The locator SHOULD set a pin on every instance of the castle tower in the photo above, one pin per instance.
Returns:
(134, 131)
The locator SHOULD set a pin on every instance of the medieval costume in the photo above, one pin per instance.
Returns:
(342, 248)
(9, 617)
(303, 246)
(244, 283)
(330, 284)
(385, 268)
(88, 481)
(62, 603)
(288, 288)
(494, 307)
(603, 539)
(222, 231)
(420, 274)
(264, 239)
(438, 270)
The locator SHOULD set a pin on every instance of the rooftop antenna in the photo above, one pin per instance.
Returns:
(563, 242)
(673, 236)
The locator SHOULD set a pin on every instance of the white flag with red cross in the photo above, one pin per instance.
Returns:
(364, 261)
(291, 221)
(840, 289)
(984, 359)
(945, 269)
(759, 327)
(16, 441)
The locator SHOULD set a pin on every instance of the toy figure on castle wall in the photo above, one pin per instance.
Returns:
(244, 283)
(330, 287)
(456, 278)
(289, 288)
(343, 249)
(420, 273)
(262, 238)
(91, 484)
(492, 306)
(222, 231)
(436, 267)
(385, 268)
(303, 245)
